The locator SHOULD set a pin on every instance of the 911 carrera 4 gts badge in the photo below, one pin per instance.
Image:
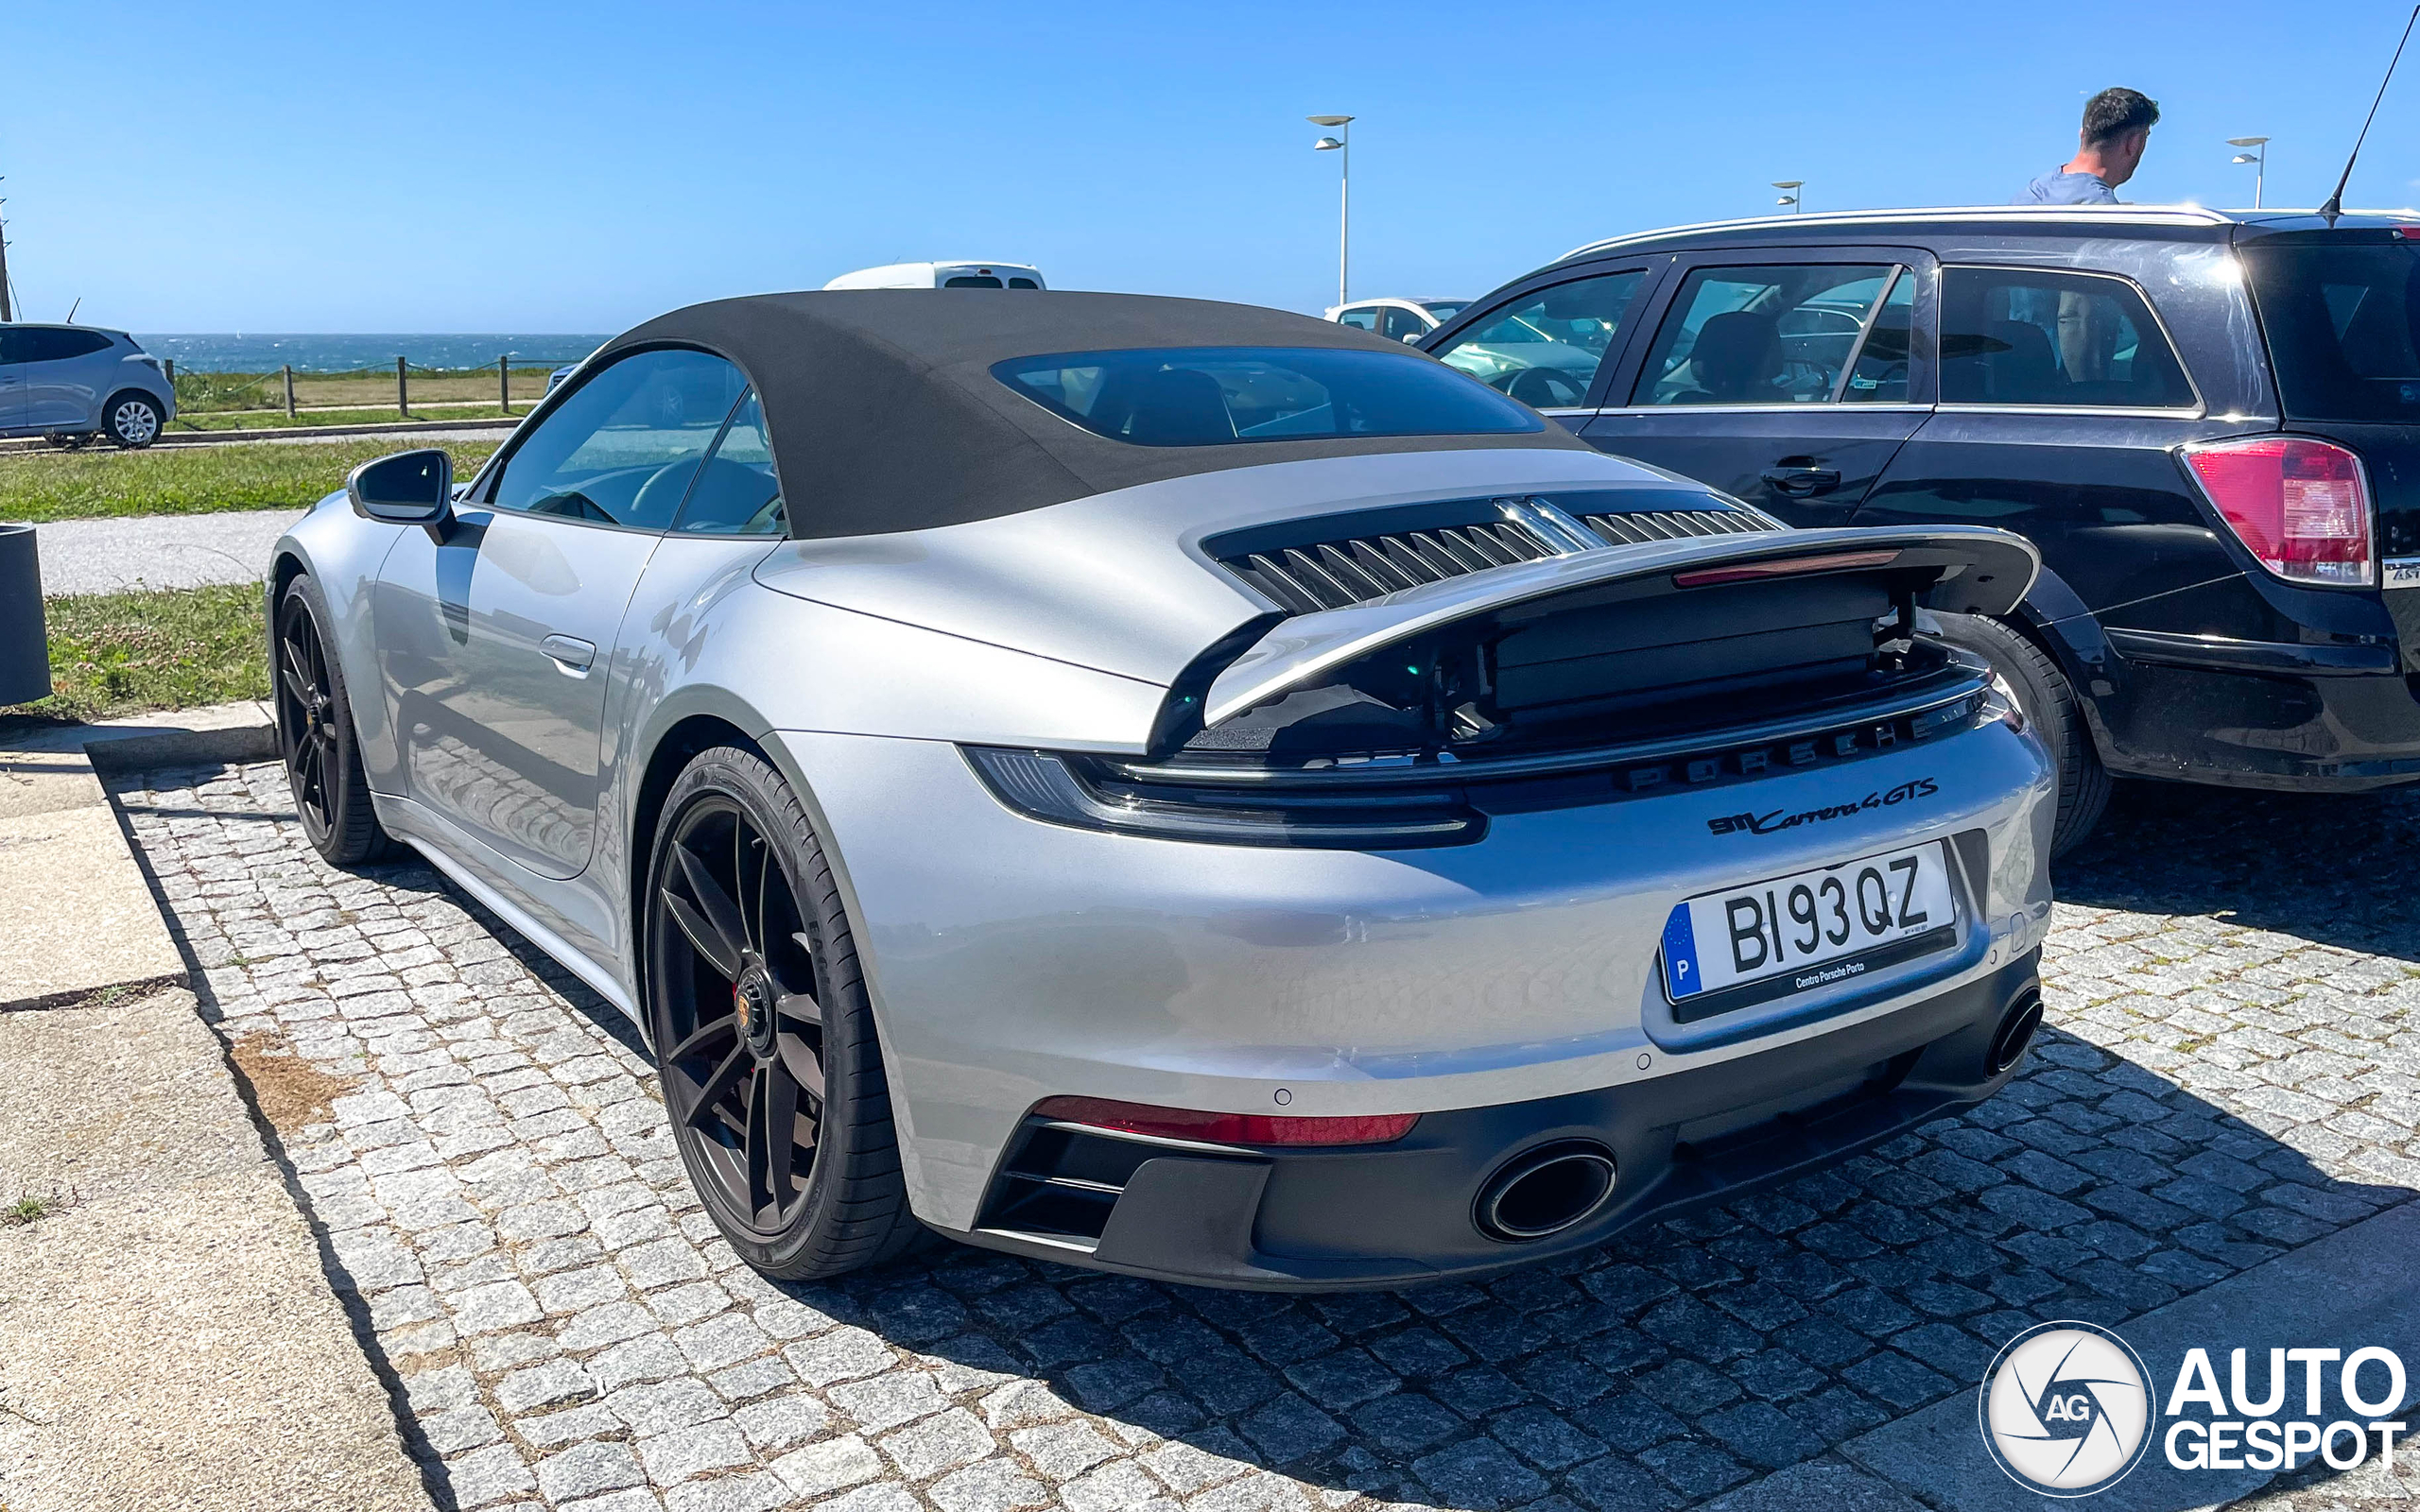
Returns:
(1784, 819)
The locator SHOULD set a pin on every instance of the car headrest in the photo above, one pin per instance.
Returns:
(1737, 353)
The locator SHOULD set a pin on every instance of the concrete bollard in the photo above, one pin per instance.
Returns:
(25, 642)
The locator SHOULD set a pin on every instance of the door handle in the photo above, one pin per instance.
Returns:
(1801, 481)
(571, 654)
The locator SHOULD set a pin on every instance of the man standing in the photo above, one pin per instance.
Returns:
(2116, 126)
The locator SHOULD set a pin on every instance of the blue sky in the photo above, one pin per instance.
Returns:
(577, 167)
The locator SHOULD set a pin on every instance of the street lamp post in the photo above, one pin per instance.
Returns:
(2258, 157)
(1788, 188)
(1341, 144)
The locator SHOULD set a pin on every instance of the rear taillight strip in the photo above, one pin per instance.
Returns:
(2299, 504)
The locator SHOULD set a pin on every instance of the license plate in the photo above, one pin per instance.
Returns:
(1809, 929)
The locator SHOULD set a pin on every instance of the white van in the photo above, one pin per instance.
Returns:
(942, 276)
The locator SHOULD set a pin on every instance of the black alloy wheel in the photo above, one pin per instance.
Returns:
(314, 735)
(764, 1039)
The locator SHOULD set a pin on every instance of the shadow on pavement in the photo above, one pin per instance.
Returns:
(2338, 870)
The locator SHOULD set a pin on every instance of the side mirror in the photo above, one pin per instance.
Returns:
(1413, 337)
(408, 489)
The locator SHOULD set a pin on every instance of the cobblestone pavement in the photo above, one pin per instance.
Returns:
(2231, 979)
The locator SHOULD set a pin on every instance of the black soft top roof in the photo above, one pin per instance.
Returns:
(885, 414)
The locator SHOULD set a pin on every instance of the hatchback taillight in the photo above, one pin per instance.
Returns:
(2299, 504)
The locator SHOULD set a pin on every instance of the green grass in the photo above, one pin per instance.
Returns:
(191, 421)
(38, 487)
(115, 654)
(29, 1208)
(372, 387)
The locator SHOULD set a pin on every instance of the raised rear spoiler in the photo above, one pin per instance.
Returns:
(1964, 569)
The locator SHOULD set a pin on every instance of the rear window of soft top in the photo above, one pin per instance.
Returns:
(1220, 396)
(2342, 311)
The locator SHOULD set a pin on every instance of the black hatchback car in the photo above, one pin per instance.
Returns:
(2208, 422)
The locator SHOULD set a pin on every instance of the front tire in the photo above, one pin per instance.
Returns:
(316, 733)
(133, 421)
(2051, 706)
(764, 1036)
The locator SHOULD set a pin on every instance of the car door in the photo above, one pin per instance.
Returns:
(1547, 345)
(63, 382)
(13, 342)
(498, 634)
(1786, 377)
(2061, 400)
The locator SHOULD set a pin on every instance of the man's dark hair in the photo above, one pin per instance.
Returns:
(2115, 112)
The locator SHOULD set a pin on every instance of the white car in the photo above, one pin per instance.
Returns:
(1397, 319)
(963, 275)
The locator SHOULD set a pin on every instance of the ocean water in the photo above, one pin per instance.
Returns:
(265, 351)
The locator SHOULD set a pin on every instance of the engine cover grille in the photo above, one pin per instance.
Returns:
(1307, 565)
(1629, 529)
(1335, 573)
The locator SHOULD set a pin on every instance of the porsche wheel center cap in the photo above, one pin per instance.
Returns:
(754, 997)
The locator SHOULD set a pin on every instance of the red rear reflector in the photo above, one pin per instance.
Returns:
(2408, 232)
(2300, 505)
(1749, 571)
(1227, 1128)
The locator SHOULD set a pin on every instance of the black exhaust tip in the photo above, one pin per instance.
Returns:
(2016, 1031)
(1546, 1191)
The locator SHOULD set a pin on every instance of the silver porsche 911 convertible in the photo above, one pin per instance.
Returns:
(1180, 788)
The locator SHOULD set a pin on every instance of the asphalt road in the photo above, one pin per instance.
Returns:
(158, 550)
(2222, 1106)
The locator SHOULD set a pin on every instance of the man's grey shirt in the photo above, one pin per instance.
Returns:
(2059, 187)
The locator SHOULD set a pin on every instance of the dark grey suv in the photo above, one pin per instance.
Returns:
(72, 383)
(2209, 424)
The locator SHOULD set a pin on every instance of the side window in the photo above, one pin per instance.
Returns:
(1880, 375)
(622, 449)
(2022, 337)
(15, 343)
(1762, 335)
(1361, 318)
(1396, 323)
(736, 494)
(52, 344)
(1544, 348)
(1023, 284)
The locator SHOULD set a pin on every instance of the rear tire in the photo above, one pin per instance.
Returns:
(764, 1036)
(2051, 705)
(132, 419)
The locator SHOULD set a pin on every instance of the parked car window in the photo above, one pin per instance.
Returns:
(1544, 348)
(2343, 324)
(1880, 375)
(969, 281)
(1445, 310)
(15, 341)
(1211, 396)
(2011, 336)
(1023, 284)
(1761, 335)
(1396, 323)
(55, 344)
(1361, 318)
(622, 449)
(736, 492)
